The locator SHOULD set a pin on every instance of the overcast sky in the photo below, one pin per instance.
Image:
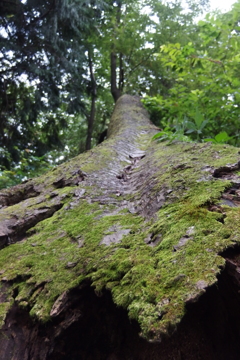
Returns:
(222, 4)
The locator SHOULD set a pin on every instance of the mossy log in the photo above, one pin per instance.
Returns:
(132, 229)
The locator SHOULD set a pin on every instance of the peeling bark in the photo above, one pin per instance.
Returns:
(131, 229)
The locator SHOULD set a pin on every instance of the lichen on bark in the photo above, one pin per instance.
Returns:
(144, 220)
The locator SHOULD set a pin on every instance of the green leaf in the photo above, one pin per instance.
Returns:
(222, 137)
(158, 135)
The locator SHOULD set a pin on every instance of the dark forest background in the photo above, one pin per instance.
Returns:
(64, 63)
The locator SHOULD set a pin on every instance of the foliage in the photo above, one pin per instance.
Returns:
(29, 166)
(42, 71)
(206, 81)
(190, 86)
(197, 125)
(220, 138)
(169, 134)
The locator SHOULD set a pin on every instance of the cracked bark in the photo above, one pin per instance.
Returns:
(85, 322)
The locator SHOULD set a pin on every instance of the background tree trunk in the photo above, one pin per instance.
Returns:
(131, 228)
(116, 61)
(115, 90)
(91, 116)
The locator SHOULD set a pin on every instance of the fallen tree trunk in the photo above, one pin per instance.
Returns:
(130, 229)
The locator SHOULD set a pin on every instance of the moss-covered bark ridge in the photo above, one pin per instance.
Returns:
(144, 220)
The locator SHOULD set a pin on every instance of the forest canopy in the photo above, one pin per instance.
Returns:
(65, 62)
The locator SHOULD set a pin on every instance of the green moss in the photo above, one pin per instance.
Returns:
(4, 307)
(152, 292)
(152, 283)
(44, 257)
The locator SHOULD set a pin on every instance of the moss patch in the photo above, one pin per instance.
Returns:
(152, 282)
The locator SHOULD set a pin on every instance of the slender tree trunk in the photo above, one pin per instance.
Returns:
(91, 116)
(115, 90)
(121, 73)
(116, 62)
(130, 228)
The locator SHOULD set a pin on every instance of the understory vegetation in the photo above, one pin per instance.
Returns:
(63, 65)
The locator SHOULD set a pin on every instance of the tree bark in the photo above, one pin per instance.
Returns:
(121, 73)
(130, 229)
(91, 116)
(116, 61)
(115, 90)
